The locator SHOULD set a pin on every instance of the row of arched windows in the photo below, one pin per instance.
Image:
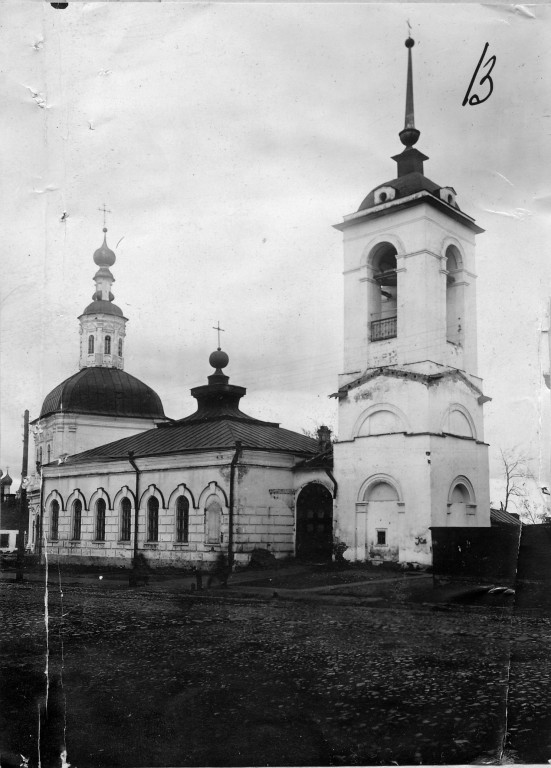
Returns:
(213, 511)
(106, 345)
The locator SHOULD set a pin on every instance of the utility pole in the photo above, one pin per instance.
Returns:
(23, 507)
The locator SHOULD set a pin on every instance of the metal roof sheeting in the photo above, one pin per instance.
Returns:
(106, 392)
(197, 437)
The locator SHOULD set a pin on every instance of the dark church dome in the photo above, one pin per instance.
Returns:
(105, 392)
(105, 307)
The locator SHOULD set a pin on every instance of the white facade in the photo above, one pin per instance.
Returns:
(265, 490)
(411, 451)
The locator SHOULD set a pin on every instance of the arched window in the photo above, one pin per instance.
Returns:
(152, 519)
(100, 520)
(90, 345)
(120, 347)
(454, 296)
(182, 520)
(213, 515)
(77, 519)
(126, 509)
(107, 346)
(383, 293)
(54, 511)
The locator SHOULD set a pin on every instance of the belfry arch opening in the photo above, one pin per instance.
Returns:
(314, 528)
(384, 298)
(454, 295)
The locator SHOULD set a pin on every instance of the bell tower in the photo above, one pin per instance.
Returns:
(411, 450)
(102, 324)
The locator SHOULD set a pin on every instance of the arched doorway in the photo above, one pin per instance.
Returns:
(314, 507)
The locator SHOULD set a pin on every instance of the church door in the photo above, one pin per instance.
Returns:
(314, 539)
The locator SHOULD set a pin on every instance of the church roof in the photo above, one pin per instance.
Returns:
(192, 437)
(217, 424)
(105, 392)
(501, 517)
(404, 186)
(105, 307)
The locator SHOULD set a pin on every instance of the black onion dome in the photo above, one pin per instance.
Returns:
(103, 307)
(104, 256)
(105, 392)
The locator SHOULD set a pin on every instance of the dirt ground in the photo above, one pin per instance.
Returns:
(166, 677)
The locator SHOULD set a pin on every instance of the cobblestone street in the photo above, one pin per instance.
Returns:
(153, 678)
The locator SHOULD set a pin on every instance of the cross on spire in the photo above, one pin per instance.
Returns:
(217, 328)
(105, 211)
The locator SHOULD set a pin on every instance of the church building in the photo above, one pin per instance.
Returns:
(410, 453)
(99, 403)
(119, 479)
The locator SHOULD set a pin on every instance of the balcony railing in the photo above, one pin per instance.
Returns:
(383, 329)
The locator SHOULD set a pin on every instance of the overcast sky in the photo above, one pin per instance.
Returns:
(226, 139)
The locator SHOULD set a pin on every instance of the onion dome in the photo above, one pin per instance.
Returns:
(104, 256)
(106, 392)
(6, 480)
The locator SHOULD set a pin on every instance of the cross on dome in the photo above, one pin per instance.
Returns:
(217, 328)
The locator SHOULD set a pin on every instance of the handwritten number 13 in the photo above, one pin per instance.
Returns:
(475, 99)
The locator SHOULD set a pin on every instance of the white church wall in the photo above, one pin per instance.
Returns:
(399, 461)
(264, 507)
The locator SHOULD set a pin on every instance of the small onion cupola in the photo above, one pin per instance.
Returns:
(103, 325)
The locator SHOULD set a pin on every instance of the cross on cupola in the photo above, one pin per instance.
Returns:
(105, 211)
(220, 330)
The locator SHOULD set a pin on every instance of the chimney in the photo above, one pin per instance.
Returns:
(324, 438)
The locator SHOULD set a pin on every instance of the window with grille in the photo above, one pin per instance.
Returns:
(55, 519)
(107, 347)
(100, 520)
(381, 538)
(120, 347)
(182, 520)
(152, 519)
(126, 509)
(90, 345)
(77, 519)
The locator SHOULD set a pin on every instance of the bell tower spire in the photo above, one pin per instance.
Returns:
(102, 324)
(409, 135)
(410, 160)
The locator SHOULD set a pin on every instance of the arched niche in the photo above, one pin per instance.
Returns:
(389, 489)
(461, 497)
(381, 419)
(458, 421)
